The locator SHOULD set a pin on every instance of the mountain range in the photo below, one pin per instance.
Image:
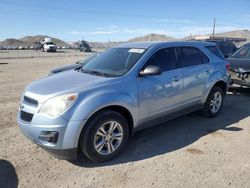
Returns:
(30, 40)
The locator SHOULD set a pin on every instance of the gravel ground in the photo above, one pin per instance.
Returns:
(191, 151)
(14, 54)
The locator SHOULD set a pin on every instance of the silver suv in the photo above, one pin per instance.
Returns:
(97, 107)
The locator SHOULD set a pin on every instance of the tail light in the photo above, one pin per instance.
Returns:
(228, 67)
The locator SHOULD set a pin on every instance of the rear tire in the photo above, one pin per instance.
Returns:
(104, 136)
(214, 102)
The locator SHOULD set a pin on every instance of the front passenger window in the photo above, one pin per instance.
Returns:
(164, 58)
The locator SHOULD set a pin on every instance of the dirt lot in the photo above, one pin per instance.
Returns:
(191, 151)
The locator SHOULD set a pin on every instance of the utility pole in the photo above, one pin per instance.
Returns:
(214, 27)
(190, 36)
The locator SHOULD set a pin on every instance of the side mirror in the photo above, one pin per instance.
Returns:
(150, 71)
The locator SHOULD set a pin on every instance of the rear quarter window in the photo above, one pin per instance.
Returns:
(215, 50)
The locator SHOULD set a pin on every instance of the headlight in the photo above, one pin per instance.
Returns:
(58, 105)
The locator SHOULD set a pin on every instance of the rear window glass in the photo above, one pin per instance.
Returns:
(215, 51)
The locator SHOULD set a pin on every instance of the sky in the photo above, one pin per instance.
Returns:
(114, 20)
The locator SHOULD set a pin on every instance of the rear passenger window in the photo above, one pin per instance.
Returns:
(215, 51)
(164, 58)
(191, 56)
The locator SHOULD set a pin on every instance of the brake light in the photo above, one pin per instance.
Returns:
(228, 67)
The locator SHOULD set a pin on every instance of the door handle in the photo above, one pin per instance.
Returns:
(176, 79)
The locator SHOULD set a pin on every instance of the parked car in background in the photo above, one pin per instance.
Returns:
(94, 109)
(227, 47)
(84, 46)
(76, 65)
(81, 45)
(240, 66)
(9, 48)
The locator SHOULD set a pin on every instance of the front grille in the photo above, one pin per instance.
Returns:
(25, 116)
(30, 101)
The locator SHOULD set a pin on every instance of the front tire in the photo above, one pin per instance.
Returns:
(104, 136)
(214, 102)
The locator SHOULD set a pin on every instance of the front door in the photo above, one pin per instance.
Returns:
(160, 95)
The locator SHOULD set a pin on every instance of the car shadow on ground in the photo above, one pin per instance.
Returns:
(239, 90)
(179, 133)
(8, 176)
(59, 51)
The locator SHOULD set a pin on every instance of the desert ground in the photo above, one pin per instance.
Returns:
(191, 151)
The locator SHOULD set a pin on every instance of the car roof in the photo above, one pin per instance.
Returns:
(221, 40)
(147, 45)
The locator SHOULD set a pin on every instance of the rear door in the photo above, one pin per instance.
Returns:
(196, 68)
(161, 94)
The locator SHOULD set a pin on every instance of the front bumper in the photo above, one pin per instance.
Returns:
(50, 49)
(58, 137)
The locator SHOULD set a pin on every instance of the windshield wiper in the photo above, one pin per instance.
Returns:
(78, 68)
(97, 73)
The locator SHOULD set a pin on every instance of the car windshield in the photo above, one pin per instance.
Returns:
(88, 59)
(243, 52)
(49, 43)
(114, 62)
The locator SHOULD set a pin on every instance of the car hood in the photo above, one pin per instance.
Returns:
(236, 63)
(64, 68)
(65, 82)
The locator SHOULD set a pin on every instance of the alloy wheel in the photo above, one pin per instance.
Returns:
(108, 137)
(216, 102)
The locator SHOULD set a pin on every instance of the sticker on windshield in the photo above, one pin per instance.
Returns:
(136, 50)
